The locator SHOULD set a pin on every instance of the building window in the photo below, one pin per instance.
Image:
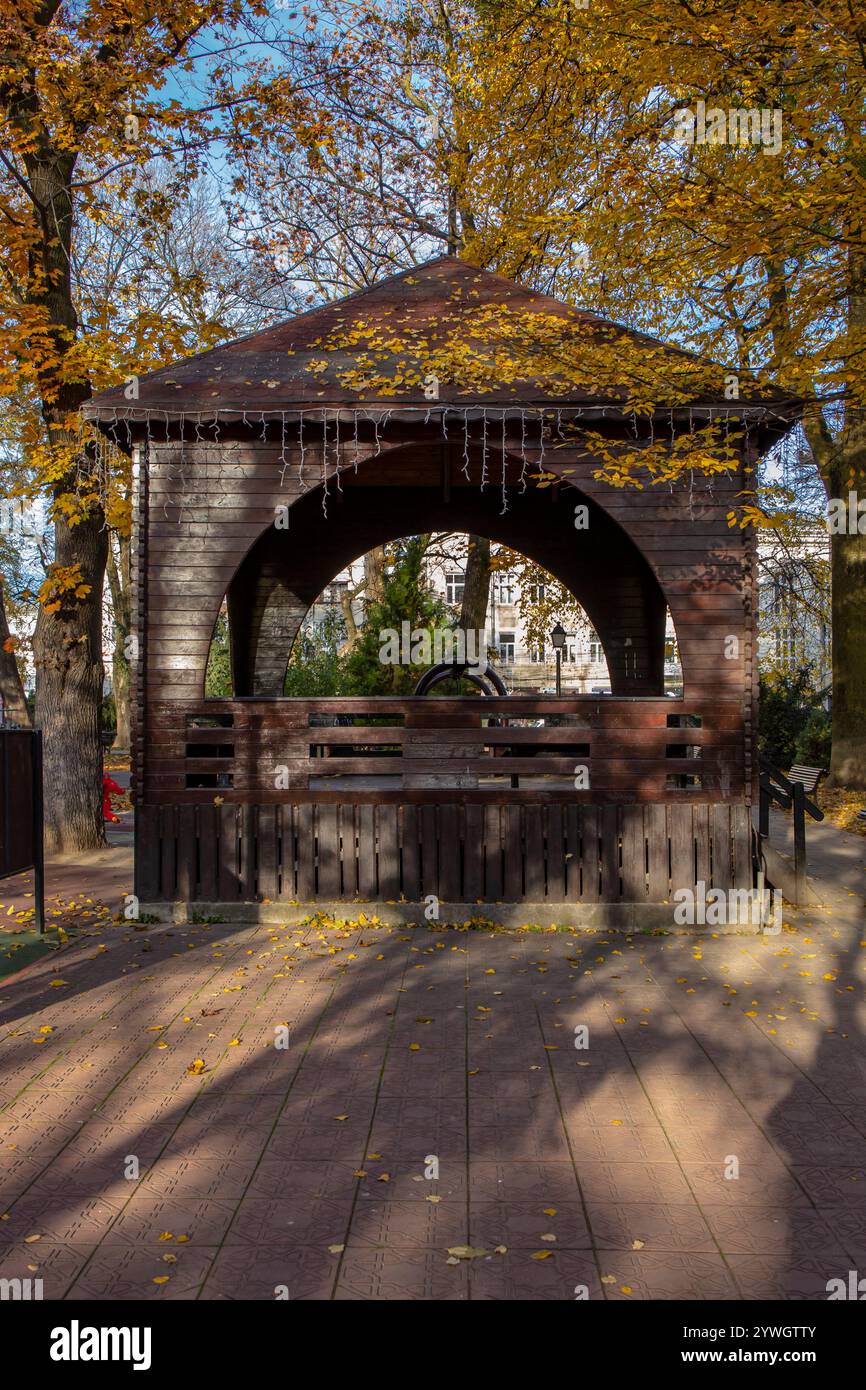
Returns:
(454, 586)
(536, 592)
(506, 588)
(12, 515)
(536, 655)
(506, 648)
(595, 652)
(789, 646)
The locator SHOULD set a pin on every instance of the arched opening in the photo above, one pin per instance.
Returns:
(422, 623)
(673, 660)
(560, 531)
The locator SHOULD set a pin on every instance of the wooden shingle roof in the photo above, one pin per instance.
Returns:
(443, 332)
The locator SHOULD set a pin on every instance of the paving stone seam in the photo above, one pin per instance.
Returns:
(320, 1017)
(134, 988)
(147, 1051)
(782, 1158)
(357, 1193)
(790, 1060)
(583, 1202)
(467, 981)
(241, 945)
(634, 1066)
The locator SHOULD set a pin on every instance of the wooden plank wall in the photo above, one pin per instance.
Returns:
(207, 503)
(530, 852)
(638, 749)
(138, 697)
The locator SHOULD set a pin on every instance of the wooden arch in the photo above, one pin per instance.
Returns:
(285, 569)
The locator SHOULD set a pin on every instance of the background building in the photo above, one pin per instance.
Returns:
(525, 665)
(794, 601)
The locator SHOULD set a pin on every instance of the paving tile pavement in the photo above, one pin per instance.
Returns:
(261, 1112)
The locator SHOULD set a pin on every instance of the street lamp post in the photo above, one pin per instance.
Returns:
(557, 637)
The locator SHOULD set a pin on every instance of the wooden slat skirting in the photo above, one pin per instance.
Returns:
(531, 852)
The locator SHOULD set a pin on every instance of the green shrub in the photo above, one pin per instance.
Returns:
(407, 598)
(316, 667)
(109, 713)
(785, 709)
(813, 741)
(218, 677)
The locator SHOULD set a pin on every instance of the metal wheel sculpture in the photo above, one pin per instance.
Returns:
(488, 681)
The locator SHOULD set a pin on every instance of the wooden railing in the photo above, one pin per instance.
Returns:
(583, 748)
(776, 788)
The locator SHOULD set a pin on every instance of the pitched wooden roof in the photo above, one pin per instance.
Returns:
(484, 339)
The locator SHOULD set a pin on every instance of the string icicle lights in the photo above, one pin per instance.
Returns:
(337, 452)
(179, 458)
(504, 469)
(284, 463)
(325, 463)
(483, 449)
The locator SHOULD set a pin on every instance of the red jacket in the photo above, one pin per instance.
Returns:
(108, 786)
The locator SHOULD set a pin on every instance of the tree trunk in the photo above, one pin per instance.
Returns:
(119, 575)
(476, 586)
(848, 565)
(67, 650)
(848, 556)
(352, 633)
(11, 687)
(67, 644)
(120, 691)
(374, 575)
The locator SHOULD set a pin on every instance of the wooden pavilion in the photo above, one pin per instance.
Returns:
(445, 398)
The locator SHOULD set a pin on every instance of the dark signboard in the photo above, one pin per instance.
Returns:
(21, 809)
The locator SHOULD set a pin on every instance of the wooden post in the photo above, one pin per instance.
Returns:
(38, 833)
(799, 792)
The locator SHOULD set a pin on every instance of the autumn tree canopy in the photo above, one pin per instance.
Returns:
(695, 172)
(89, 95)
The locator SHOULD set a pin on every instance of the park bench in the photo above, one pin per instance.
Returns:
(808, 777)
